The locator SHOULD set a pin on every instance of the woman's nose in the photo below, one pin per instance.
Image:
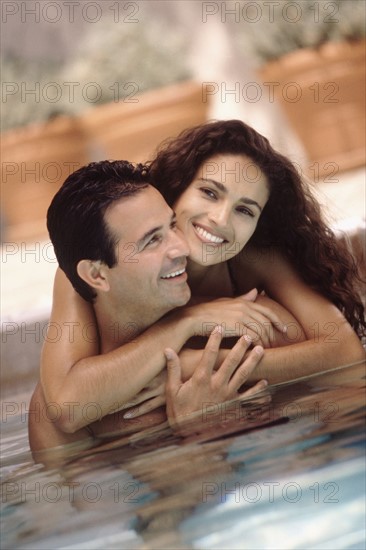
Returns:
(220, 215)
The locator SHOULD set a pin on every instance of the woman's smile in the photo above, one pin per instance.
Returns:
(221, 210)
(207, 235)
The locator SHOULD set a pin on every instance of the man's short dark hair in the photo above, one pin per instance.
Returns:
(75, 218)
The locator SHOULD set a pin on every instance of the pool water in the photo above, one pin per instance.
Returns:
(285, 469)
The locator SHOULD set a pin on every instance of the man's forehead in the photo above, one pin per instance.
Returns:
(131, 217)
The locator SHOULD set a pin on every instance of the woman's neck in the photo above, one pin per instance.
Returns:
(213, 280)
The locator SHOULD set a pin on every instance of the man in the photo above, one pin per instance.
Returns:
(116, 240)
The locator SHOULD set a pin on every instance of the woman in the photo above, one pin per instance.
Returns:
(250, 224)
(291, 222)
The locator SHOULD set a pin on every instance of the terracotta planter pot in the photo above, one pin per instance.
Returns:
(132, 129)
(323, 94)
(35, 161)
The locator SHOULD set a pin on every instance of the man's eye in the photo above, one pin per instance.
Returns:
(153, 240)
(173, 225)
(208, 192)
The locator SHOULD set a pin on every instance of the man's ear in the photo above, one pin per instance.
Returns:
(95, 273)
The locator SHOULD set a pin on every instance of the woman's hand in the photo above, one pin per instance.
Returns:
(207, 385)
(148, 399)
(238, 316)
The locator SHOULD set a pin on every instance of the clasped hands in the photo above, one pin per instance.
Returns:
(244, 314)
(231, 316)
(206, 384)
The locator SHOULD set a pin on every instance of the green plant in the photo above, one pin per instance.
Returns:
(302, 24)
(112, 63)
(126, 61)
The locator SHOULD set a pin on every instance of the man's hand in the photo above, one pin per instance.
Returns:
(207, 385)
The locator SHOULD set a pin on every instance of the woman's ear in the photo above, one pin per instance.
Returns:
(94, 273)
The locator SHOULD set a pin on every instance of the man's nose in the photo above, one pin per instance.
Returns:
(178, 245)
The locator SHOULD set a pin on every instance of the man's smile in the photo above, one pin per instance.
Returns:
(175, 274)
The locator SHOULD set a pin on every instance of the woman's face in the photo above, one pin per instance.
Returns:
(219, 211)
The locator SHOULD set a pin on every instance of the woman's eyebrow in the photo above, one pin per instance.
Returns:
(247, 200)
(218, 184)
(221, 187)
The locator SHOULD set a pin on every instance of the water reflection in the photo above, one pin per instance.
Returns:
(284, 472)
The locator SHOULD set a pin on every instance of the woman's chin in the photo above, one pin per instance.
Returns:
(204, 259)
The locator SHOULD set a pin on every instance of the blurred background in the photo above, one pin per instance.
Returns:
(89, 80)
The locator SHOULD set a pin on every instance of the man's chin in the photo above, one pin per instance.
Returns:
(179, 299)
(180, 302)
(186, 296)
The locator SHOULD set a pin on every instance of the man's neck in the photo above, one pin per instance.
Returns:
(115, 329)
(118, 326)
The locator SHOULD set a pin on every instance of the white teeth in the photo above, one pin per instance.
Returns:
(174, 274)
(208, 236)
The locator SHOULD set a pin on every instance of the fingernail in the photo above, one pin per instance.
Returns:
(264, 382)
(168, 354)
(284, 330)
(217, 329)
(128, 414)
(247, 338)
(259, 350)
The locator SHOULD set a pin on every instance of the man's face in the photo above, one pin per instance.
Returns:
(149, 278)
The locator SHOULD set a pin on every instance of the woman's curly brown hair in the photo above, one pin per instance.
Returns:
(291, 219)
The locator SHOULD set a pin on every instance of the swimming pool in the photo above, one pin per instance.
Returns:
(281, 472)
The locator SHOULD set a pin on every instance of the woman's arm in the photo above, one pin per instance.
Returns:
(74, 374)
(84, 386)
(329, 339)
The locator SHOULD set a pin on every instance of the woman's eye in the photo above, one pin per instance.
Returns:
(245, 211)
(208, 192)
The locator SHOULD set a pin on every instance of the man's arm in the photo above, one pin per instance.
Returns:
(84, 386)
(154, 396)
